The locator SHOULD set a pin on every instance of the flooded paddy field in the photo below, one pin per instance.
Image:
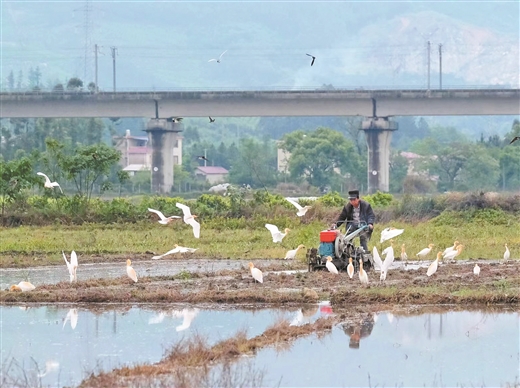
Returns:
(57, 346)
(206, 322)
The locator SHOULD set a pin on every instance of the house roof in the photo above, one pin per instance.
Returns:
(208, 170)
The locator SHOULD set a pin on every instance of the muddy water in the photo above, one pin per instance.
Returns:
(57, 346)
(433, 350)
(163, 267)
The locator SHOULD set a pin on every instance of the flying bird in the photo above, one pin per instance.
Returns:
(330, 266)
(377, 259)
(301, 209)
(292, 253)
(256, 273)
(275, 232)
(174, 119)
(313, 58)
(72, 266)
(162, 218)
(130, 271)
(202, 157)
(211, 120)
(177, 249)
(190, 219)
(22, 286)
(219, 58)
(48, 184)
(388, 233)
(434, 265)
(514, 139)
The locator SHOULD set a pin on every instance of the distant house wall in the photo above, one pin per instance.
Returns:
(211, 174)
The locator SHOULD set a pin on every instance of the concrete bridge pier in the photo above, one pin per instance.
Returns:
(162, 134)
(378, 133)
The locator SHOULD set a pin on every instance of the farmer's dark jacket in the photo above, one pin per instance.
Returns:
(366, 214)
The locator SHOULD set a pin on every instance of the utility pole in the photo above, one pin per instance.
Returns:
(96, 49)
(114, 50)
(205, 157)
(440, 66)
(429, 50)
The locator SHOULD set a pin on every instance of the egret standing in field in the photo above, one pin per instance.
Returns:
(330, 266)
(363, 277)
(189, 219)
(404, 256)
(424, 252)
(130, 271)
(22, 286)
(292, 253)
(301, 209)
(163, 220)
(275, 232)
(476, 270)
(434, 265)
(72, 266)
(257, 275)
(450, 249)
(350, 268)
(452, 254)
(48, 184)
(507, 254)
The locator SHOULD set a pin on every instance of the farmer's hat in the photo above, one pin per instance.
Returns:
(353, 194)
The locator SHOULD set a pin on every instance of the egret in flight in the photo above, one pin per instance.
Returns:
(190, 219)
(275, 232)
(48, 184)
(162, 218)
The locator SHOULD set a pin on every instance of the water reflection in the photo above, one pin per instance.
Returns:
(457, 348)
(54, 346)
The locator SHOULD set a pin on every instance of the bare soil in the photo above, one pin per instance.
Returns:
(453, 283)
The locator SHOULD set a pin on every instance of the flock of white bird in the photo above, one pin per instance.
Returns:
(277, 236)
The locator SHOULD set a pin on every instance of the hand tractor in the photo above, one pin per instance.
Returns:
(340, 247)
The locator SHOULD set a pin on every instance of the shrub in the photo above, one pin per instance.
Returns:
(332, 199)
(379, 199)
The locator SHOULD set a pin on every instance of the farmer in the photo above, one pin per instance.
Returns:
(357, 213)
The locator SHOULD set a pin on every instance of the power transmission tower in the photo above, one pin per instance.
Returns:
(87, 12)
(440, 65)
(114, 51)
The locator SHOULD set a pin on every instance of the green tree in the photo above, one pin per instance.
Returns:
(89, 165)
(481, 171)
(15, 176)
(254, 163)
(318, 155)
(398, 172)
(10, 81)
(74, 84)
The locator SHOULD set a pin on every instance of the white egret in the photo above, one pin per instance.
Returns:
(275, 232)
(130, 271)
(301, 209)
(388, 233)
(219, 58)
(404, 256)
(389, 259)
(330, 265)
(156, 318)
(22, 286)
(476, 270)
(453, 254)
(187, 315)
(162, 218)
(189, 219)
(363, 277)
(256, 273)
(450, 249)
(434, 265)
(387, 249)
(72, 266)
(350, 268)
(292, 253)
(48, 184)
(507, 254)
(424, 252)
(377, 259)
(177, 249)
(72, 316)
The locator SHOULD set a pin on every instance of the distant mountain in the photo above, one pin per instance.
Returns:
(165, 45)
